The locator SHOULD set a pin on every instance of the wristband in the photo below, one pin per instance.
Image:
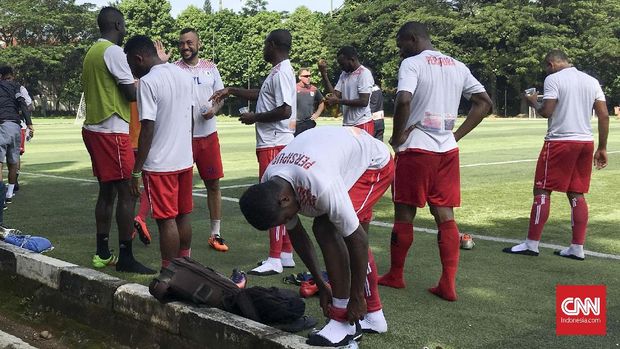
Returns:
(136, 174)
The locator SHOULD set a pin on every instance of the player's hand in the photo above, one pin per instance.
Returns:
(161, 51)
(533, 99)
(30, 129)
(248, 118)
(325, 297)
(600, 159)
(356, 309)
(397, 141)
(135, 186)
(209, 114)
(220, 95)
(322, 65)
(331, 100)
(315, 116)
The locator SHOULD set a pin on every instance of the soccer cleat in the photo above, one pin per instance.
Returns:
(238, 277)
(308, 289)
(570, 255)
(142, 230)
(271, 266)
(133, 266)
(523, 252)
(102, 263)
(467, 242)
(320, 338)
(6, 231)
(217, 243)
(374, 322)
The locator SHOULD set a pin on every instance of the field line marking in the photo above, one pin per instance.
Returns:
(375, 223)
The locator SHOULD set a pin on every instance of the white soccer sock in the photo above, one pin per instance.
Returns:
(531, 245)
(335, 331)
(374, 321)
(215, 226)
(9, 191)
(575, 250)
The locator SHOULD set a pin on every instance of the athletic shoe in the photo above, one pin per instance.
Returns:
(9, 200)
(238, 277)
(142, 230)
(308, 289)
(523, 252)
(16, 188)
(133, 266)
(218, 243)
(374, 322)
(5, 207)
(287, 260)
(271, 266)
(315, 338)
(467, 242)
(99, 262)
(6, 231)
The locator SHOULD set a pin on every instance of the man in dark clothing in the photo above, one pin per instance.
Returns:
(308, 98)
(376, 108)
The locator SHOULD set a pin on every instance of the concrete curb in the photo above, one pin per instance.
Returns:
(64, 284)
(8, 341)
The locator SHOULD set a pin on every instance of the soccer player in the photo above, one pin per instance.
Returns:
(205, 144)
(108, 89)
(336, 175)
(139, 221)
(430, 86)
(164, 160)
(565, 161)
(352, 90)
(276, 105)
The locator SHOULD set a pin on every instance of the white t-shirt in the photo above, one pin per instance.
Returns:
(322, 164)
(437, 83)
(207, 80)
(350, 86)
(116, 62)
(166, 96)
(278, 89)
(576, 93)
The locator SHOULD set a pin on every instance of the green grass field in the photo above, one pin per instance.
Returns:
(505, 301)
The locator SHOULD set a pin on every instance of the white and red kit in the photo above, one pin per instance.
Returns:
(351, 85)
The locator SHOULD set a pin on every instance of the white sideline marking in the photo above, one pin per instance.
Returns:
(375, 223)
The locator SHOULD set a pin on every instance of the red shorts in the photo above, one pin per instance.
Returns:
(565, 166)
(208, 157)
(110, 154)
(426, 177)
(369, 188)
(169, 193)
(22, 145)
(264, 156)
(368, 127)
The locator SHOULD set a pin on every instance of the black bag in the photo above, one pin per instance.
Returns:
(267, 305)
(188, 280)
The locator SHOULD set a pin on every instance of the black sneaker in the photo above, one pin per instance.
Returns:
(8, 200)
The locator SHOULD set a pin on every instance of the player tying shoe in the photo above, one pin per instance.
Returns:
(335, 174)
(565, 161)
(430, 86)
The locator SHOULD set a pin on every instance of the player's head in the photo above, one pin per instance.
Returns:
(267, 205)
(304, 75)
(111, 21)
(6, 72)
(141, 55)
(189, 44)
(347, 58)
(412, 38)
(555, 61)
(278, 42)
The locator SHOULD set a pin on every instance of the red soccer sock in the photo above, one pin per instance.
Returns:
(371, 289)
(276, 236)
(448, 240)
(165, 263)
(402, 238)
(539, 216)
(286, 241)
(145, 207)
(185, 252)
(579, 219)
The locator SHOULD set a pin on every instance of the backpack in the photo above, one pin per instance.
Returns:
(267, 305)
(188, 280)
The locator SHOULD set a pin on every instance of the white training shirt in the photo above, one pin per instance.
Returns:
(437, 83)
(350, 86)
(207, 80)
(277, 89)
(322, 164)
(166, 96)
(116, 62)
(576, 93)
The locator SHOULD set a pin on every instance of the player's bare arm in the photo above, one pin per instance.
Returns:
(357, 245)
(305, 249)
(545, 109)
(322, 66)
(161, 51)
(214, 109)
(360, 102)
(129, 91)
(319, 111)
(282, 112)
(401, 114)
(145, 139)
(600, 156)
(480, 107)
(220, 95)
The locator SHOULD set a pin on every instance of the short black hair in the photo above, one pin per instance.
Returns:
(556, 55)
(6, 70)
(281, 38)
(141, 44)
(188, 30)
(107, 18)
(259, 204)
(416, 29)
(348, 51)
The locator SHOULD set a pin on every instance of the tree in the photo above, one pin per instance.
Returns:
(252, 7)
(148, 17)
(206, 6)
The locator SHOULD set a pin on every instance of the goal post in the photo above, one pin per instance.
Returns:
(80, 116)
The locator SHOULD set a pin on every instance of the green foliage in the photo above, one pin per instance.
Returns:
(148, 17)
(252, 7)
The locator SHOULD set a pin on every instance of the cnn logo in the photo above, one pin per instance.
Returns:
(580, 310)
